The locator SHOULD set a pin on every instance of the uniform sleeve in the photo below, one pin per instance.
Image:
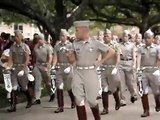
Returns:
(11, 51)
(158, 52)
(117, 48)
(49, 50)
(139, 50)
(55, 49)
(134, 48)
(27, 49)
(70, 47)
(102, 47)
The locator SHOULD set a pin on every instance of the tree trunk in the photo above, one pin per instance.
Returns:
(51, 23)
(144, 25)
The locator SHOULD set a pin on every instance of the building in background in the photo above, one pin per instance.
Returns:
(28, 30)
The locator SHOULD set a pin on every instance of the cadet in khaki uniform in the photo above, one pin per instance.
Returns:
(100, 36)
(138, 44)
(157, 40)
(148, 59)
(126, 67)
(110, 82)
(43, 57)
(19, 57)
(62, 79)
(85, 84)
(138, 41)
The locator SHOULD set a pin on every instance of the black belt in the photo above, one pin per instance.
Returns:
(126, 59)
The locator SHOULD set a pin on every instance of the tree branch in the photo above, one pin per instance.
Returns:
(76, 13)
(76, 2)
(127, 21)
(133, 6)
(154, 20)
(126, 12)
(22, 7)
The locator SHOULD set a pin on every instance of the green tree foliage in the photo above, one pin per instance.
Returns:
(144, 14)
(52, 15)
(11, 17)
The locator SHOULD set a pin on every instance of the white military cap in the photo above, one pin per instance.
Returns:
(157, 37)
(139, 35)
(126, 32)
(133, 29)
(82, 23)
(41, 36)
(100, 32)
(64, 31)
(18, 32)
(148, 33)
(107, 31)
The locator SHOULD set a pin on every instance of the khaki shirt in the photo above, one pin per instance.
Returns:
(42, 53)
(88, 51)
(137, 47)
(127, 50)
(17, 53)
(59, 51)
(149, 55)
(116, 47)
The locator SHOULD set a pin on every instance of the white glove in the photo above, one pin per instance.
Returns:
(114, 71)
(156, 73)
(67, 70)
(30, 77)
(53, 67)
(21, 73)
(7, 68)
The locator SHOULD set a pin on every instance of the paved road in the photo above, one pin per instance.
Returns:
(45, 111)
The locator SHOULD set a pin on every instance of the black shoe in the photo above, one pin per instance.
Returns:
(37, 102)
(29, 104)
(133, 99)
(109, 92)
(58, 110)
(104, 112)
(12, 109)
(122, 104)
(99, 97)
(145, 114)
(9, 100)
(73, 105)
(157, 109)
(52, 97)
(117, 107)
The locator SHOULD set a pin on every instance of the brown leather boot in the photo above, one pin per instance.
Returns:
(157, 101)
(105, 101)
(81, 112)
(95, 111)
(117, 100)
(13, 102)
(49, 89)
(145, 105)
(60, 101)
(31, 89)
(29, 98)
(73, 104)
